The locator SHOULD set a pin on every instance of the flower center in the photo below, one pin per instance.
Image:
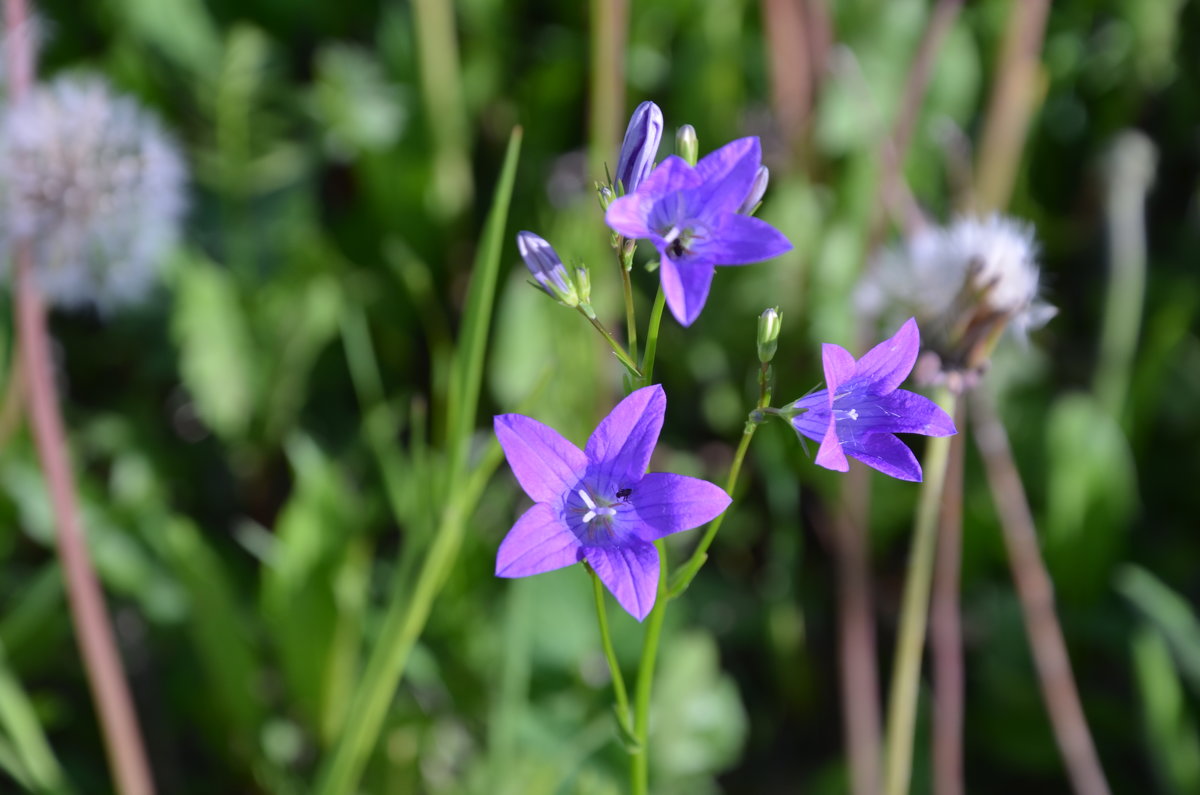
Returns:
(594, 510)
(680, 237)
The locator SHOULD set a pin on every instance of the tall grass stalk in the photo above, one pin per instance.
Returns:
(409, 609)
(906, 667)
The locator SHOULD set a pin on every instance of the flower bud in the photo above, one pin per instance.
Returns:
(606, 195)
(547, 268)
(687, 145)
(583, 284)
(640, 146)
(757, 189)
(769, 323)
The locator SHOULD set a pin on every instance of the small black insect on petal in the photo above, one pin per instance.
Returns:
(623, 494)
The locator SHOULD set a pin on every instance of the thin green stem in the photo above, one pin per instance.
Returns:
(689, 570)
(685, 575)
(906, 671)
(625, 358)
(609, 653)
(656, 313)
(630, 313)
(640, 760)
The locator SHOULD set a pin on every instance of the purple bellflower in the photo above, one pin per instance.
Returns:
(600, 504)
(861, 409)
(640, 146)
(691, 217)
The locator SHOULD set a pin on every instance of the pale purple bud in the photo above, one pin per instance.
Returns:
(757, 189)
(640, 146)
(544, 263)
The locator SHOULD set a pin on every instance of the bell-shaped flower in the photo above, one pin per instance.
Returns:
(691, 216)
(599, 504)
(861, 409)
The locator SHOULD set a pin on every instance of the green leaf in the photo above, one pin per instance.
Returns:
(1170, 613)
(1171, 738)
(29, 743)
(220, 634)
(181, 30)
(216, 350)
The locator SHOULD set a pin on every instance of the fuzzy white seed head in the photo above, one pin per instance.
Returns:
(939, 272)
(97, 187)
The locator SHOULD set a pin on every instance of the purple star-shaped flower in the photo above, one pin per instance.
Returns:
(861, 409)
(691, 216)
(600, 504)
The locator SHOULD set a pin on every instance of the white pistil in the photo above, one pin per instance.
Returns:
(852, 413)
(673, 235)
(593, 511)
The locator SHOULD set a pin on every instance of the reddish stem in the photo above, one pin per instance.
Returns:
(93, 630)
(1036, 593)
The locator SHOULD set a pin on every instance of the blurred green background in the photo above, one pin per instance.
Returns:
(257, 446)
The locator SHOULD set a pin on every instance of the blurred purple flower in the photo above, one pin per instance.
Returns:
(861, 409)
(691, 217)
(640, 146)
(600, 504)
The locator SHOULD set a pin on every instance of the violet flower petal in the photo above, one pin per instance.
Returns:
(889, 363)
(839, 368)
(900, 411)
(729, 174)
(538, 542)
(830, 454)
(686, 287)
(630, 573)
(884, 452)
(620, 447)
(546, 465)
(667, 503)
(633, 214)
(744, 239)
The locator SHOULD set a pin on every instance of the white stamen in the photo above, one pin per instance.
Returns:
(852, 414)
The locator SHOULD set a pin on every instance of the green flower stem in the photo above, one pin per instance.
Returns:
(625, 358)
(630, 312)
(689, 570)
(609, 653)
(906, 671)
(685, 575)
(656, 314)
(640, 760)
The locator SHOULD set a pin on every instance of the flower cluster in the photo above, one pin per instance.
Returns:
(598, 505)
(96, 185)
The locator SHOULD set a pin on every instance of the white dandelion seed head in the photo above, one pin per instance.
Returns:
(939, 271)
(97, 186)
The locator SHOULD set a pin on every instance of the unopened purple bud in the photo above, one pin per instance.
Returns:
(757, 189)
(544, 263)
(640, 146)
